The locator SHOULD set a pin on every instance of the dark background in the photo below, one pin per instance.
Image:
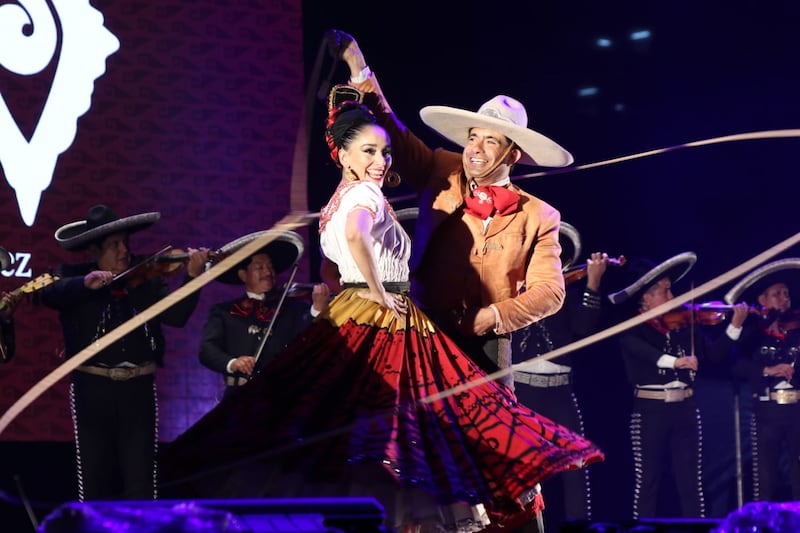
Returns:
(709, 69)
(198, 113)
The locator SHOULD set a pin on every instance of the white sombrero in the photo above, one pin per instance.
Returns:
(505, 115)
(756, 282)
(674, 268)
(284, 250)
(100, 222)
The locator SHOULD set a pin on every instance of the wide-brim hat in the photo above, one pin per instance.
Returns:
(750, 287)
(502, 114)
(5, 259)
(571, 248)
(408, 218)
(284, 250)
(673, 268)
(100, 222)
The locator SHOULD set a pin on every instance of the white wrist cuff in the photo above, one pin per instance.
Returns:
(496, 318)
(362, 76)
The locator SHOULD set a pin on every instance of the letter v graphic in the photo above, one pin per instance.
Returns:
(28, 42)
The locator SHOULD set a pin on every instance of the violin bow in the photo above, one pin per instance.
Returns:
(705, 288)
(143, 262)
(289, 222)
(691, 328)
(278, 308)
(297, 217)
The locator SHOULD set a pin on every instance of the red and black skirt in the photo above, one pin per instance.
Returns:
(363, 404)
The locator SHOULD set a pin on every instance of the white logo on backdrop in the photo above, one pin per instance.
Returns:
(28, 42)
(20, 265)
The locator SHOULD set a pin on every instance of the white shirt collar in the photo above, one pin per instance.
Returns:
(500, 183)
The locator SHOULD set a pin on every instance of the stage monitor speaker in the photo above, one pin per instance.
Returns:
(295, 515)
(654, 525)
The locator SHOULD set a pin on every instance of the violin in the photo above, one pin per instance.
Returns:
(300, 290)
(705, 314)
(578, 272)
(787, 321)
(165, 263)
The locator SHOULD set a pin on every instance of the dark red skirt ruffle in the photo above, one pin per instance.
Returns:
(355, 388)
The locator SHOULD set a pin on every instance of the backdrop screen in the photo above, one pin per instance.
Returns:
(190, 109)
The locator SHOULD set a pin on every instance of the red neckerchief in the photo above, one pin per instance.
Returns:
(248, 307)
(491, 200)
(656, 324)
(772, 329)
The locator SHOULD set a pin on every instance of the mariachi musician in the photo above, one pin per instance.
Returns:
(547, 386)
(8, 302)
(767, 356)
(242, 334)
(661, 358)
(113, 394)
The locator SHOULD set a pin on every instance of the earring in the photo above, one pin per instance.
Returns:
(349, 175)
(392, 179)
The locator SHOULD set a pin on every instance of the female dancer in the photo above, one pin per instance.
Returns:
(346, 409)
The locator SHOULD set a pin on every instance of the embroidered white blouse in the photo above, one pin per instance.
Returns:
(391, 246)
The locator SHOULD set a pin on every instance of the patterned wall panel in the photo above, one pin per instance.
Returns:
(196, 117)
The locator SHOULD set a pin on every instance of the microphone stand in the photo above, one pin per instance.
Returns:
(278, 307)
(738, 447)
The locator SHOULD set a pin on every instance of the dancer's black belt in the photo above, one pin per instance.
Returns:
(397, 287)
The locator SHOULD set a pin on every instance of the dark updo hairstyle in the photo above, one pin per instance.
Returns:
(346, 116)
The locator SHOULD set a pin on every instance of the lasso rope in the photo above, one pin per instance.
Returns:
(289, 222)
(296, 220)
(755, 135)
(706, 287)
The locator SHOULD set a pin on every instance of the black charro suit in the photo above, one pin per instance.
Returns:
(661, 428)
(115, 419)
(235, 328)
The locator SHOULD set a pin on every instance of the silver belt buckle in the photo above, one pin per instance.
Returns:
(120, 374)
(674, 395)
(785, 396)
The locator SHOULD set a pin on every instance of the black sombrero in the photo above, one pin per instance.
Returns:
(674, 268)
(284, 250)
(408, 219)
(750, 287)
(100, 222)
(571, 253)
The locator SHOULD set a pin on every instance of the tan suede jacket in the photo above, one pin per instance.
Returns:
(455, 265)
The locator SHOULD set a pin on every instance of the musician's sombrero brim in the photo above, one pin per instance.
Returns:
(750, 287)
(79, 235)
(285, 249)
(673, 268)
